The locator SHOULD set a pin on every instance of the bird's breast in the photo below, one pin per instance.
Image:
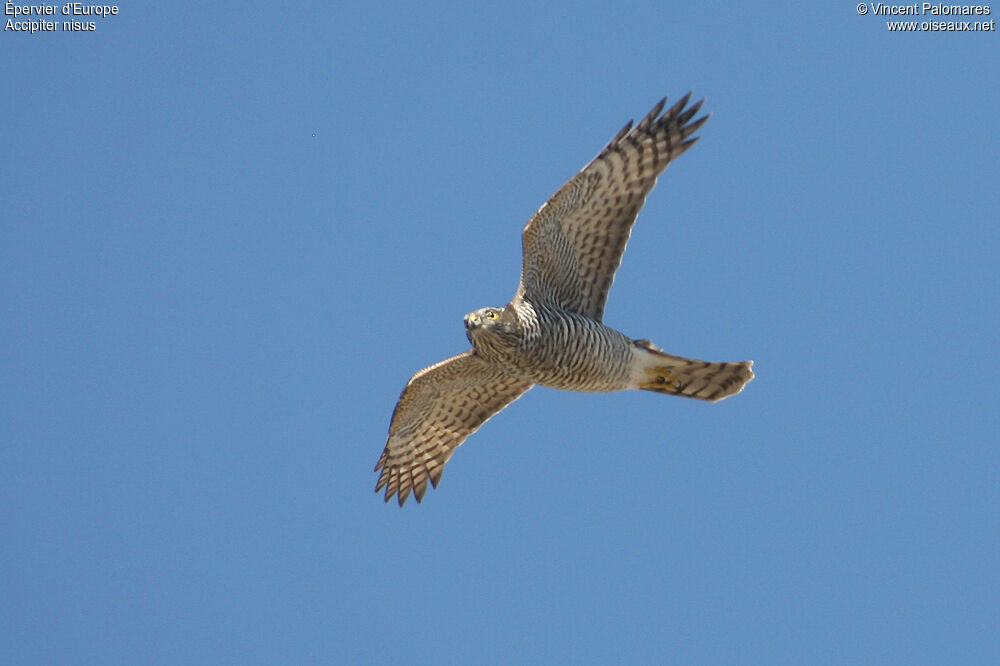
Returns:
(571, 352)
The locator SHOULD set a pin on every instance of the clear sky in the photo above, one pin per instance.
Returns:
(231, 231)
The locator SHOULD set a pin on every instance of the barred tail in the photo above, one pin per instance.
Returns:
(688, 377)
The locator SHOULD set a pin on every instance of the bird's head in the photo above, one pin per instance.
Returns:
(488, 324)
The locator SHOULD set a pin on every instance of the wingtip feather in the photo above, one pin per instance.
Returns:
(678, 105)
(621, 134)
(651, 117)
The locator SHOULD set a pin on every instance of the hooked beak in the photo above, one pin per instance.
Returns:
(472, 322)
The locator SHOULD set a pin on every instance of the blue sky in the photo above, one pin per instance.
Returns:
(232, 232)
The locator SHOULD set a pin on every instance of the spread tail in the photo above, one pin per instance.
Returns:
(688, 377)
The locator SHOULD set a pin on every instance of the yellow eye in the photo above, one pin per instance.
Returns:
(491, 314)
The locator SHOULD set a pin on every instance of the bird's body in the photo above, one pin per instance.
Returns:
(553, 347)
(552, 333)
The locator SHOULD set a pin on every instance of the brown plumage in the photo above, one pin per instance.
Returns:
(551, 333)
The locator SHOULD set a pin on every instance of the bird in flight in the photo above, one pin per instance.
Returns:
(551, 333)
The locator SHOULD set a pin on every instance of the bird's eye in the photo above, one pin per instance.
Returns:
(491, 314)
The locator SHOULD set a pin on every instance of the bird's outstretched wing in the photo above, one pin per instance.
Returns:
(574, 243)
(440, 406)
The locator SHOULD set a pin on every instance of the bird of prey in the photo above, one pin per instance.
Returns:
(551, 333)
